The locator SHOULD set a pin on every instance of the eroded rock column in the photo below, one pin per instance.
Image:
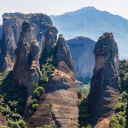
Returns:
(104, 91)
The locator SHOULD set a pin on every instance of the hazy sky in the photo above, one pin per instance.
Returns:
(56, 7)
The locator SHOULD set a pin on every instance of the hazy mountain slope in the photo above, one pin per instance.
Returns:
(92, 23)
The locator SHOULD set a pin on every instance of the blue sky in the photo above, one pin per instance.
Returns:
(56, 7)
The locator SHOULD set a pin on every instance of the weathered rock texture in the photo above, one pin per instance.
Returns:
(51, 37)
(41, 25)
(26, 68)
(63, 53)
(59, 104)
(82, 54)
(3, 121)
(10, 36)
(27, 59)
(104, 91)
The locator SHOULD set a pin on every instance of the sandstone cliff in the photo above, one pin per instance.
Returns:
(26, 68)
(104, 92)
(27, 56)
(82, 54)
(58, 106)
(12, 23)
(10, 36)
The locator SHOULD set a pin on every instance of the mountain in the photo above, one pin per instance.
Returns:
(81, 49)
(92, 23)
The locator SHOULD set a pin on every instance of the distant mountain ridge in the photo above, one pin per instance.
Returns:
(92, 23)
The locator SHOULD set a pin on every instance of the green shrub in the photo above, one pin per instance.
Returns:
(118, 121)
(22, 124)
(38, 93)
(34, 101)
(34, 85)
(43, 81)
(120, 107)
(40, 90)
(14, 125)
(84, 114)
(35, 106)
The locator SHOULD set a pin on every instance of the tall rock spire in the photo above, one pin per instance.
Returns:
(63, 53)
(26, 58)
(104, 91)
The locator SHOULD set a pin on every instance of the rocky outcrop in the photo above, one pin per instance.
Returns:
(27, 55)
(26, 68)
(3, 121)
(10, 36)
(63, 53)
(40, 25)
(82, 55)
(51, 37)
(104, 91)
(58, 106)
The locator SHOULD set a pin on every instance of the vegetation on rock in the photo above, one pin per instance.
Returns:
(12, 100)
(84, 89)
(120, 119)
(84, 114)
(47, 63)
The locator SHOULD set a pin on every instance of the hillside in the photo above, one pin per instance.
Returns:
(92, 23)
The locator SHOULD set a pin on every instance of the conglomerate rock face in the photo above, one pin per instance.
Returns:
(11, 29)
(104, 91)
(58, 106)
(81, 49)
